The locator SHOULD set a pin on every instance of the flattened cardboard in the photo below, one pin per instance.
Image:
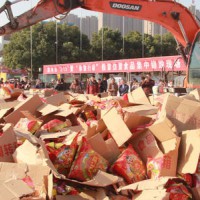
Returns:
(189, 152)
(47, 109)
(10, 170)
(8, 143)
(138, 96)
(31, 104)
(38, 173)
(18, 187)
(8, 105)
(109, 150)
(28, 153)
(117, 127)
(143, 110)
(56, 99)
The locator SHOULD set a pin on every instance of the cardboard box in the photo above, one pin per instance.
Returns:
(8, 143)
(117, 127)
(183, 113)
(189, 152)
(196, 93)
(160, 140)
(138, 96)
(31, 104)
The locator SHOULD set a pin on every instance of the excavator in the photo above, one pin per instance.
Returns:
(172, 15)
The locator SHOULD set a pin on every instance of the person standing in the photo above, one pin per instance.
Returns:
(113, 87)
(75, 87)
(148, 84)
(92, 86)
(123, 88)
(101, 89)
(104, 84)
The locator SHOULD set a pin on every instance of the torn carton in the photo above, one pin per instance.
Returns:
(8, 143)
(117, 127)
(159, 141)
(56, 99)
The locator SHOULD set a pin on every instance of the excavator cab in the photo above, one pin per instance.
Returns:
(194, 64)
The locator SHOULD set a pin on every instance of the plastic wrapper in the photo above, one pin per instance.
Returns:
(62, 155)
(129, 166)
(178, 189)
(28, 125)
(154, 167)
(6, 91)
(87, 163)
(54, 125)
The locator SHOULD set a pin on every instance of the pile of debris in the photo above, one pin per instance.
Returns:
(70, 146)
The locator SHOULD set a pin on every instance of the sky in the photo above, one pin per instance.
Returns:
(25, 5)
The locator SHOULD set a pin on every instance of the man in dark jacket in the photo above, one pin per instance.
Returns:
(123, 88)
(148, 84)
(104, 84)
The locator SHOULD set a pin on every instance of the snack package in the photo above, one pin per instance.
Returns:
(87, 163)
(65, 155)
(178, 189)
(129, 166)
(29, 125)
(154, 167)
(54, 125)
(62, 155)
(6, 91)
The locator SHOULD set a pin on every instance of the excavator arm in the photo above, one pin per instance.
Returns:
(170, 14)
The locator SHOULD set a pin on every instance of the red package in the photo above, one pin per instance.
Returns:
(129, 166)
(65, 155)
(87, 163)
(188, 178)
(54, 125)
(178, 189)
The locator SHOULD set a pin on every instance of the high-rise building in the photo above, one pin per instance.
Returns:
(87, 25)
(195, 12)
(123, 24)
(152, 28)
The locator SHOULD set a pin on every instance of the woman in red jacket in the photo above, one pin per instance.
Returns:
(92, 86)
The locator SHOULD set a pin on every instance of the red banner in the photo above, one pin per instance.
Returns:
(114, 66)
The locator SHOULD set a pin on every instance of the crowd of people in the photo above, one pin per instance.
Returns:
(93, 86)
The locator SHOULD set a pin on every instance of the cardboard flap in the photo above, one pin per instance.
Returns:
(189, 152)
(12, 170)
(65, 106)
(117, 127)
(65, 113)
(149, 184)
(46, 109)
(142, 110)
(9, 105)
(138, 96)
(18, 187)
(28, 153)
(5, 111)
(109, 149)
(31, 104)
(163, 130)
(8, 143)
(57, 99)
(196, 94)
(133, 120)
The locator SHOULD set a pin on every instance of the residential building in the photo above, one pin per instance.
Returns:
(151, 28)
(87, 25)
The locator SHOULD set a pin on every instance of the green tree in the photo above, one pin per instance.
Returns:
(112, 44)
(17, 53)
(133, 45)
